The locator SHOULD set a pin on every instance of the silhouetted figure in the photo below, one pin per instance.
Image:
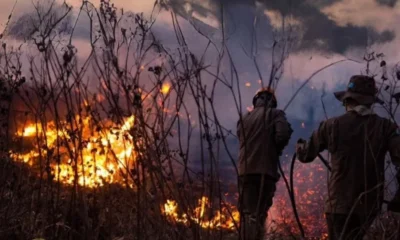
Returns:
(263, 133)
(358, 142)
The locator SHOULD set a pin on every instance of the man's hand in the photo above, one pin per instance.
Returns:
(301, 148)
(300, 145)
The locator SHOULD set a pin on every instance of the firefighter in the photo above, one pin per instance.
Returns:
(357, 141)
(263, 134)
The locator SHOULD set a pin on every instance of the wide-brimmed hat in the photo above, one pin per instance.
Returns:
(360, 88)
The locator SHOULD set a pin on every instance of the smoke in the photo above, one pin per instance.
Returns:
(325, 32)
(390, 3)
(316, 29)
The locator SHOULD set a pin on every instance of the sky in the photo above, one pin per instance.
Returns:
(325, 32)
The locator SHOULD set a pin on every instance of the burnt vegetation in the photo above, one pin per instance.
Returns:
(101, 146)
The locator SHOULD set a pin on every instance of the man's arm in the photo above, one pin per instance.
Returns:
(394, 144)
(318, 142)
(283, 130)
(394, 151)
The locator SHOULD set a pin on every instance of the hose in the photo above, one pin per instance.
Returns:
(324, 162)
(290, 187)
(291, 193)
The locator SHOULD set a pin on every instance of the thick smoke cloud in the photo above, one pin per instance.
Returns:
(317, 30)
(23, 26)
(390, 3)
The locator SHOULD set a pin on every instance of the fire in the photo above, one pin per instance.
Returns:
(248, 84)
(226, 218)
(165, 88)
(98, 155)
(108, 149)
(310, 192)
(28, 131)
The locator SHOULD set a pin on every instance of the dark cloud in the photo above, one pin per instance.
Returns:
(21, 28)
(390, 3)
(26, 24)
(317, 31)
(324, 33)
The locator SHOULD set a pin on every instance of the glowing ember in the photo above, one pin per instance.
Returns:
(225, 219)
(310, 191)
(165, 88)
(99, 156)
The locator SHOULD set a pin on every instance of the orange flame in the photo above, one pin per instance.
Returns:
(103, 155)
(165, 88)
(224, 218)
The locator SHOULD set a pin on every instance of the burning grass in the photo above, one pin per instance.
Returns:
(97, 153)
(102, 152)
(108, 151)
(226, 218)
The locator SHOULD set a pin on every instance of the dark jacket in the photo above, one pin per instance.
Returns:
(358, 144)
(263, 133)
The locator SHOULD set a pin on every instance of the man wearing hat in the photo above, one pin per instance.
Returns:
(357, 141)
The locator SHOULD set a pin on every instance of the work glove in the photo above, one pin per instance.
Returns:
(394, 205)
(301, 145)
